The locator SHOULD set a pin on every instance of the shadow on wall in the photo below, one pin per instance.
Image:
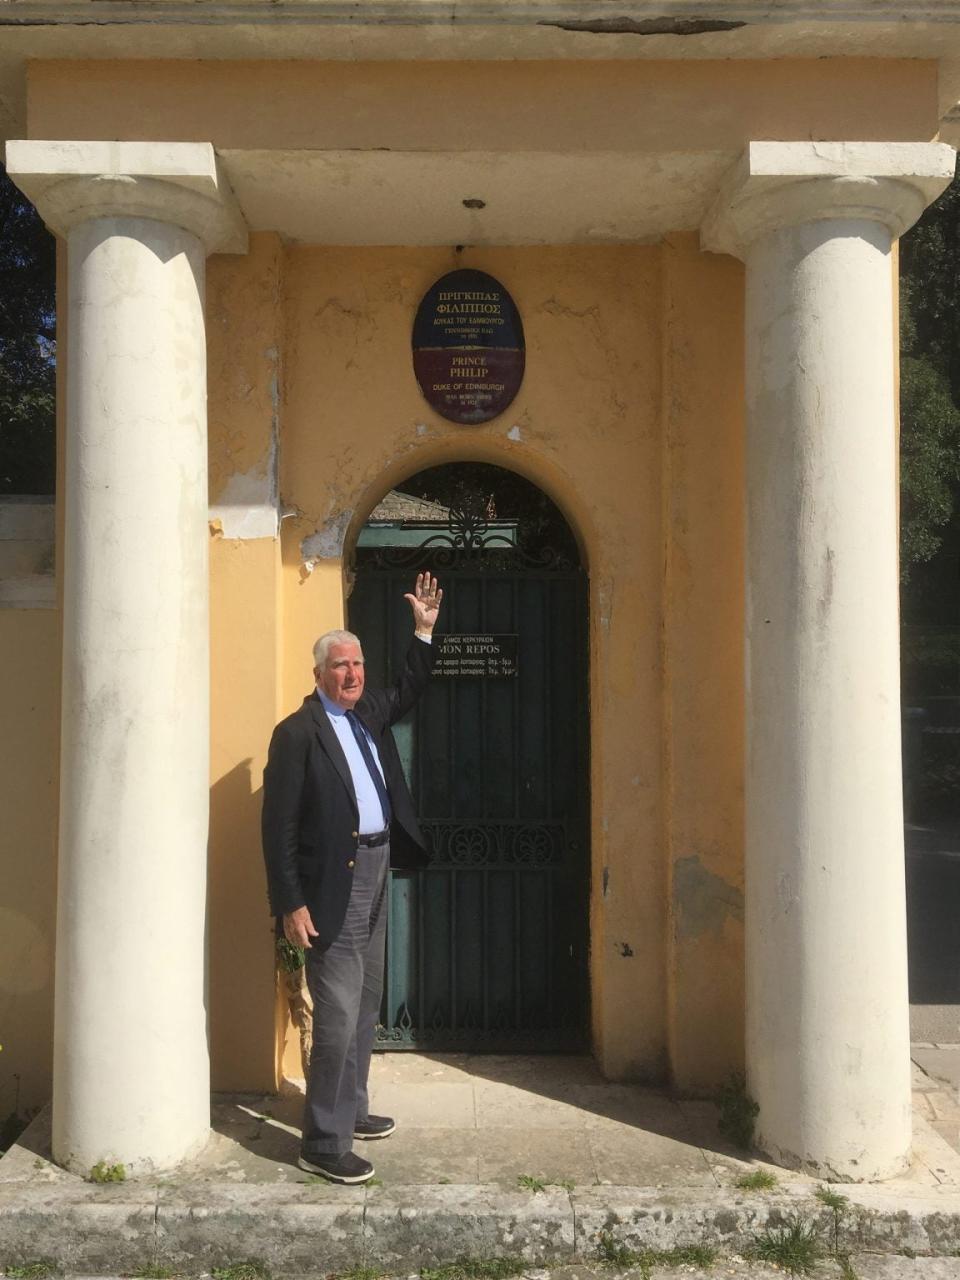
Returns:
(240, 945)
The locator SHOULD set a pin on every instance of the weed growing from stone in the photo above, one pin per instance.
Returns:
(38, 1270)
(832, 1199)
(241, 1271)
(738, 1111)
(613, 1253)
(794, 1246)
(759, 1180)
(528, 1183)
(838, 1204)
(476, 1269)
(103, 1172)
(846, 1267)
(690, 1255)
(374, 1182)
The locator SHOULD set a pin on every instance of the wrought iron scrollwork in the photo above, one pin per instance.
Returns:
(471, 844)
(470, 541)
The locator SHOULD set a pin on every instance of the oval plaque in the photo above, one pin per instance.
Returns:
(468, 351)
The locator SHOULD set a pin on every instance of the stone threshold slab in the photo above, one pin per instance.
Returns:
(302, 1229)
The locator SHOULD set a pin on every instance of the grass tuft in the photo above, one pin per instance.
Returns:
(37, 1270)
(241, 1271)
(794, 1246)
(476, 1269)
(529, 1183)
(690, 1255)
(103, 1172)
(758, 1180)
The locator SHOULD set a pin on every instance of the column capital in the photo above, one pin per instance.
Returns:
(176, 182)
(783, 184)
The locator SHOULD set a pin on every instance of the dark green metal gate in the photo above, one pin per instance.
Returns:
(487, 947)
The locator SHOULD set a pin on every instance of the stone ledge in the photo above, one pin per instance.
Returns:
(90, 1230)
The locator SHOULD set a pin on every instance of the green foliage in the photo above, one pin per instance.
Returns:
(618, 1255)
(27, 346)
(38, 1270)
(103, 1172)
(794, 1246)
(832, 1199)
(738, 1111)
(290, 958)
(929, 460)
(758, 1180)
(476, 1269)
(930, 393)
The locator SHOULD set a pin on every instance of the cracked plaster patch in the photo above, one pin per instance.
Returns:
(327, 542)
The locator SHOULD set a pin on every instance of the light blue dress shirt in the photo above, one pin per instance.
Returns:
(371, 811)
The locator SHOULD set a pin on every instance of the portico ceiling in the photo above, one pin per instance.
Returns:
(417, 198)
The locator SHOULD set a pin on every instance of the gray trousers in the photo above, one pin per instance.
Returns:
(346, 982)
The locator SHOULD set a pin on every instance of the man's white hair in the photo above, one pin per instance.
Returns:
(322, 648)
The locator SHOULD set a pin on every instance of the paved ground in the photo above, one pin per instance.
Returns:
(489, 1119)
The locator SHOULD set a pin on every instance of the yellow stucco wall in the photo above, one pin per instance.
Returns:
(585, 426)
(703, 690)
(243, 360)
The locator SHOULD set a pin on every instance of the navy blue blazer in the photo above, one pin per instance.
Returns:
(310, 815)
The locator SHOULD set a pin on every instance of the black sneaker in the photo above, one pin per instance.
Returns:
(374, 1127)
(346, 1167)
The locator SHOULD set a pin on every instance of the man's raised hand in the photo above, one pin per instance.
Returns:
(425, 603)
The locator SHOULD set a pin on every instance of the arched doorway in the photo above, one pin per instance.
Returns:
(488, 946)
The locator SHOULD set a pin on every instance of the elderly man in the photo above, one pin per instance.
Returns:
(337, 814)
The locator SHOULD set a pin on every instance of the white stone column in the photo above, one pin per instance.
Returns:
(131, 1068)
(827, 1008)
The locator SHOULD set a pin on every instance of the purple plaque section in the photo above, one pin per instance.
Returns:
(468, 351)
